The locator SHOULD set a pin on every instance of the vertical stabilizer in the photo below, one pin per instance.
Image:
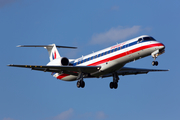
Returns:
(53, 52)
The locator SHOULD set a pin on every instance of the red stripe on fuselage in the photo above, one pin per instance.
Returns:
(62, 76)
(128, 52)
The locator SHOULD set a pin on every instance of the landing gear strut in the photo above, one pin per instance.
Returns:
(114, 84)
(154, 55)
(80, 82)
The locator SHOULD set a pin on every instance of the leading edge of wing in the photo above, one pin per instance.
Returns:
(85, 69)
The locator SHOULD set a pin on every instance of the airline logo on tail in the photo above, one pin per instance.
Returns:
(54, 55)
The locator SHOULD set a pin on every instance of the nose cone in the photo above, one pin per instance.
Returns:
(161, 46)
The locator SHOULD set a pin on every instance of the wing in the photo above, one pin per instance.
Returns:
(73, 70)
(133, 71)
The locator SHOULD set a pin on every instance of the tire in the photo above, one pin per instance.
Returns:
(111, 85)
(153, 63)
(82, 84)
(156, 63)
(115, 85)
(78, 84)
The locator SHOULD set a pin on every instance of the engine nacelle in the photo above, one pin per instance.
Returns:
(64, 61)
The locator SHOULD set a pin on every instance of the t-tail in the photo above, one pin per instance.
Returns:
(53, 52)
(52, 49)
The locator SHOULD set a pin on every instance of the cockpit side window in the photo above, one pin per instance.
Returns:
(140, 40)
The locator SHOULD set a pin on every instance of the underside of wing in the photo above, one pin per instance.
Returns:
(72, 70)
(133, 71)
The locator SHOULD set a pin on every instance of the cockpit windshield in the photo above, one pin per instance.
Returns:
(146, 39)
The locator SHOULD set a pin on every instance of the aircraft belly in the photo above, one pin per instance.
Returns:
(69, 78)
(65, 77)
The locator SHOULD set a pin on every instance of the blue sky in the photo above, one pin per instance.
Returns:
(90, 26)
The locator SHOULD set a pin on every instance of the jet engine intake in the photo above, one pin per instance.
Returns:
(64, 61)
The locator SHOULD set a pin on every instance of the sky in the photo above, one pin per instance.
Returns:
(90, 26)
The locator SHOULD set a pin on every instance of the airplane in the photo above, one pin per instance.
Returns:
(108, 62)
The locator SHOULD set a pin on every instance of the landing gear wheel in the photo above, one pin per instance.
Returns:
(78, 84)
(111, 85)
(155, 63)
(82, 84)
(152, 63)
(115, 85)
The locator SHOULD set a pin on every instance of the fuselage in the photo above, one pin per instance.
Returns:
(115, 57)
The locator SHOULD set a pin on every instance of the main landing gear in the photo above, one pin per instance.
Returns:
(80, 82)
(114, 84)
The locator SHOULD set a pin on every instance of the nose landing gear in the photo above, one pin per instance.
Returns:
(155, 55)
(155, 63)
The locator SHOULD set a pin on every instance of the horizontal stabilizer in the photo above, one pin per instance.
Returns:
(46, 46)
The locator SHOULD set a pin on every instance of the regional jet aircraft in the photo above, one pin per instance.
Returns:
(108, 62)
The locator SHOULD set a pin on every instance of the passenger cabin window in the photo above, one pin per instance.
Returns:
(105, 53)
(109, 51)
(123, 46)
